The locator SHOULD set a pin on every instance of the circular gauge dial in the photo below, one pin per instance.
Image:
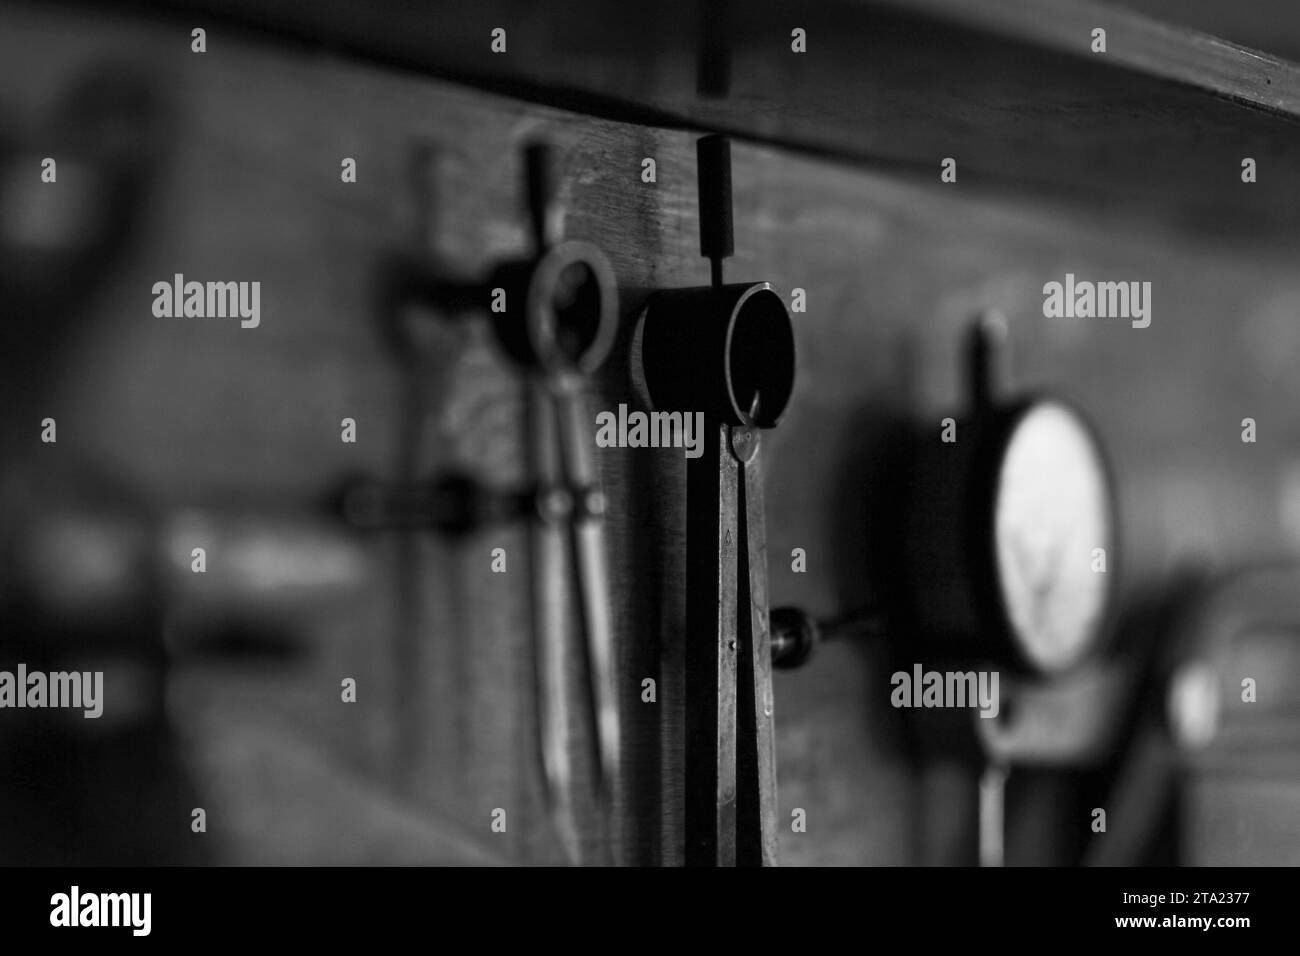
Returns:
(1052, 510)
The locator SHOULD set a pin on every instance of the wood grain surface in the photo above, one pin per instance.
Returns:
(1156, 125)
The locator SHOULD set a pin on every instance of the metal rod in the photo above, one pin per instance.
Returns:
(992, 815)
(717, 234)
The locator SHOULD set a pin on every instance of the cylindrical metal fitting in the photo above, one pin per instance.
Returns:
(715, 350)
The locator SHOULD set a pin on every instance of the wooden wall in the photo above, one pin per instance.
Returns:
(203, 414)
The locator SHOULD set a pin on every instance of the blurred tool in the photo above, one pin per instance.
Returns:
(796, 634)
(558, 325)
(1009, 549)
(1192, 721)
(1010, 536)
(76, 592)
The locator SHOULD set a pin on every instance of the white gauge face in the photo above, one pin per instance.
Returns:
(1052, 512)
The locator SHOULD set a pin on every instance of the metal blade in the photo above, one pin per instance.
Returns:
(592, 581)
(757, 810)
(547, 560)
(711, 652)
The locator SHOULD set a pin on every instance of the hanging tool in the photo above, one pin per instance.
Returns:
(558, 325)
(726, 351)
(1010, 538)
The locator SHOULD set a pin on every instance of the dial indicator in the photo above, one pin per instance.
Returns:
(1052, 511)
